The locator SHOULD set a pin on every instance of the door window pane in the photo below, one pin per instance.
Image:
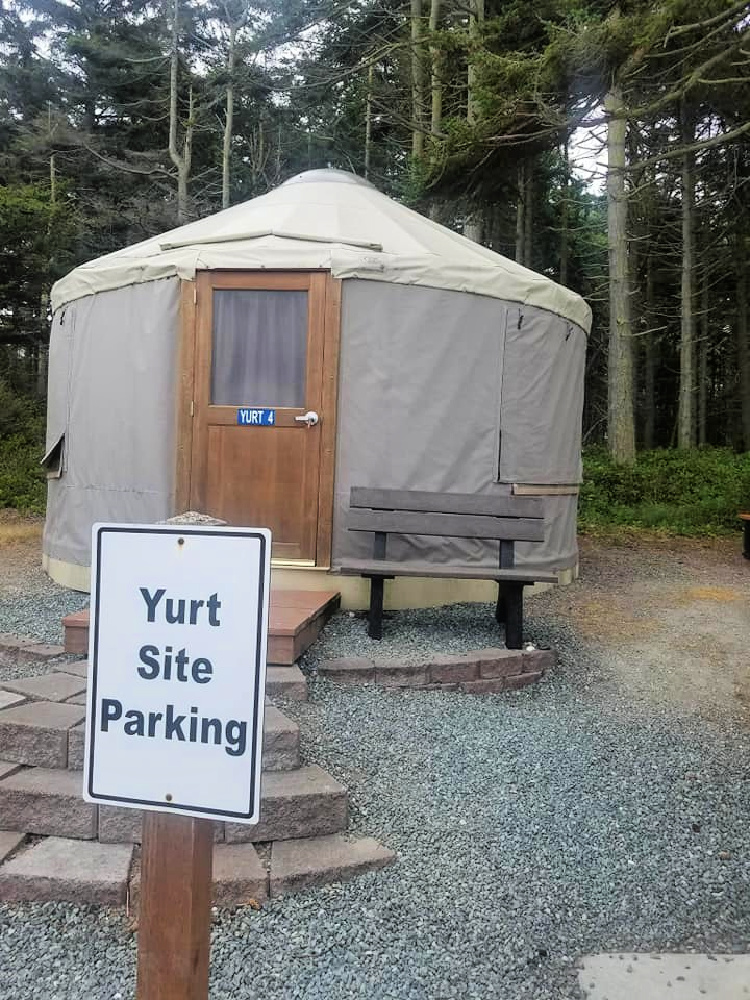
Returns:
(259, 348)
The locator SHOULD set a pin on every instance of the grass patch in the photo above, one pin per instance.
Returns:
(20, 532)
(692, 493)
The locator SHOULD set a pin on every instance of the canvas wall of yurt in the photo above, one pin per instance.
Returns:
(257, 364)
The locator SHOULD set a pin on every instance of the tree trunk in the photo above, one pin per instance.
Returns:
(703, 362)
(474, 226)
(686, 422)
(564, 217)
(620, 414)
(89, 113)
(476, 20)
(651, 360)
(743, 344)
(229, 120)
(368, 121)
(187, 147)
(528, 214)
(436, 64)
(262, 157)
(41, 378)
(474, 223)
(417, 81)
(520, 213)
(180, 161)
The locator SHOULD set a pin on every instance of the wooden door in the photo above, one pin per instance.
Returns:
(260, 370)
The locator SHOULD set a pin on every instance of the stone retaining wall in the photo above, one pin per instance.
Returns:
(483, 671)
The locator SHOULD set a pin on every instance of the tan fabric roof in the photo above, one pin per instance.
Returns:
(326, 219)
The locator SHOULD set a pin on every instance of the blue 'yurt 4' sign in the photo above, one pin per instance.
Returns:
(255, 416)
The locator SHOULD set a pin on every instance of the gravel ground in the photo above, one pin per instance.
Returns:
(30, 603)
(408, 637)
(568, 818)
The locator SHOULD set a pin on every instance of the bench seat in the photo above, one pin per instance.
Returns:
(384, 567)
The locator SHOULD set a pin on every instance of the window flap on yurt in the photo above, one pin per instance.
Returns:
(53, 462)
(541, 400)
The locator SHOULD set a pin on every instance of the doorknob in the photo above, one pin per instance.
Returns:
(311, 419)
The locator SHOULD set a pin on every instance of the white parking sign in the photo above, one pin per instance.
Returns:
(177, 669)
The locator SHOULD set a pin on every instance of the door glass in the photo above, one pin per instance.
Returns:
(259, 348)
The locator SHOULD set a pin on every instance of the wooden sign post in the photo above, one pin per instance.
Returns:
(174, 718)
(175, 919)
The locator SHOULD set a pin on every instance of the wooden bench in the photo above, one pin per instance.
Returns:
(745, 518)
(504, 519)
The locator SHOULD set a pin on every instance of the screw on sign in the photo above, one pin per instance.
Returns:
(174, 718)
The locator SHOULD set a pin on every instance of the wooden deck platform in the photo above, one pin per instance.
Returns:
(295, 622)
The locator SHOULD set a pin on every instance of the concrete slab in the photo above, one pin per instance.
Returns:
(348, 670)
(394, 674)
(286, 682)
(47, 802)
(297, 864)
(42, 651)
(125, 826)
(76, 746)
(9, 841)
(36, 733)
(8, 640)
(48, 687)
(280, 741)
(79, 668)
(665, 977)
(9, 698)
(450, 669)
(307, 802)
(8, 767)
(497, 662)
(239, 878)
(120, 826)
(69, 871)
(24, 649)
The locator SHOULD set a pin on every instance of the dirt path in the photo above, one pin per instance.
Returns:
(671, 618)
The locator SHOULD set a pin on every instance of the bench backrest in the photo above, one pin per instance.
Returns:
(457, 515)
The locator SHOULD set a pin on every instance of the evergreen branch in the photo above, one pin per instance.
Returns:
(717, 140)
(725, 17)
(119, 165)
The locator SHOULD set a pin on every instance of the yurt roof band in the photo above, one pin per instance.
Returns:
(238, 237)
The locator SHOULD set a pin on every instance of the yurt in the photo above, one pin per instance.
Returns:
(257, 364)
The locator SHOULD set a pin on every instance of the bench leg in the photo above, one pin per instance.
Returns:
(501, 612)
(746, 539)
(375, 616)
(514, 616)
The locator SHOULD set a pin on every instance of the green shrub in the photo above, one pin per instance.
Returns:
(683, 492)
(22, 480)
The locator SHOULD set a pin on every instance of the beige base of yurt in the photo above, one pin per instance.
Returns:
(405, 592)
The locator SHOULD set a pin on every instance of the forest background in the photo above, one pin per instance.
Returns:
(120, 119)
